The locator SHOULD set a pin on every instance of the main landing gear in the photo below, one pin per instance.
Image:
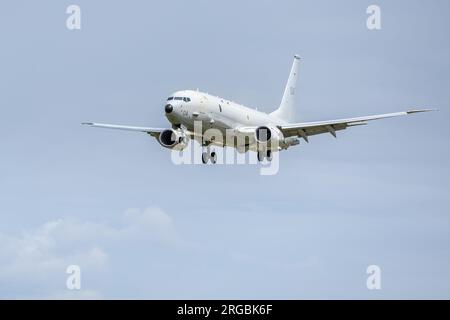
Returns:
(267, 154)
(209, 155)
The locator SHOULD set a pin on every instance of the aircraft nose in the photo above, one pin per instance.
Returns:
(168, 108)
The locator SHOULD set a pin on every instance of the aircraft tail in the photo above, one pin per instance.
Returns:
(286, 111)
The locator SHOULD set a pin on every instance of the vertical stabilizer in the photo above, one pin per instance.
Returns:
(286, 111)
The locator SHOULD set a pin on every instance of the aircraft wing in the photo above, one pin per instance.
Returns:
(306, 129)
(151, 131)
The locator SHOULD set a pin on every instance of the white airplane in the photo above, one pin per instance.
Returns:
(243, 128)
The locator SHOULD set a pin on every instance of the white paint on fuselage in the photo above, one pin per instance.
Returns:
(215, 112)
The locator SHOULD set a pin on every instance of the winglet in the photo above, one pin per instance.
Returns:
(420, 110)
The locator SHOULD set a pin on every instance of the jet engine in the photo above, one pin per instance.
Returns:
(173, 139)
(266, 135)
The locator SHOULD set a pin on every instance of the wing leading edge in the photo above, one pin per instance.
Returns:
(306, 129)
(151, 131)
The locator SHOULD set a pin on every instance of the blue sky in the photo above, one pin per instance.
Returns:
(141, 227)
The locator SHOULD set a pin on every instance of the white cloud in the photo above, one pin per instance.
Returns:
(33, 263)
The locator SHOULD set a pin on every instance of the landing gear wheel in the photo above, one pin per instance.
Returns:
(269, 155)
(260, 156)
(205, 157)
(213, 157)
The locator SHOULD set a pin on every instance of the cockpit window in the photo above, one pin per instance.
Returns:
(185, 99)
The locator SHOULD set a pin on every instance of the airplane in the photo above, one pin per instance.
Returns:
(193, 113)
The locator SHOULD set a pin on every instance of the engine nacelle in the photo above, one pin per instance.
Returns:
(268, 136)
(173, 139)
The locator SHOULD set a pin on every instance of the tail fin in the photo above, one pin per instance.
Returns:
(286, 110)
